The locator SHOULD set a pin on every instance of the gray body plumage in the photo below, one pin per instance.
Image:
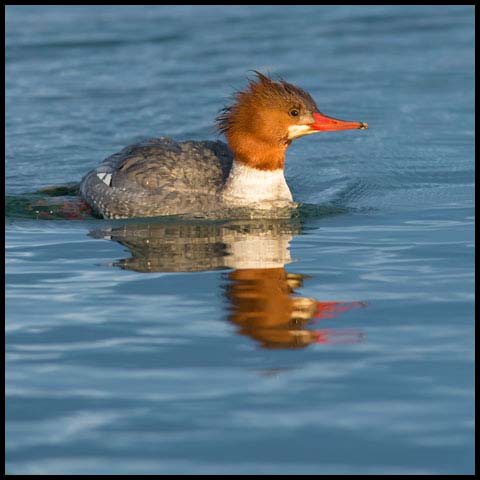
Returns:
(159, 177)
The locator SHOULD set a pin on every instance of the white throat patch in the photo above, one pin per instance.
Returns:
(250, 185)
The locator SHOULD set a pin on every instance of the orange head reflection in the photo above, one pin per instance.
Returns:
(264, 308)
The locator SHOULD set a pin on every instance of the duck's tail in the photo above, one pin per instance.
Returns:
(50, 203)
(68, 190)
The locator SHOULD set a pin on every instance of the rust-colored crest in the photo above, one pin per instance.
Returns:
(256, 124)
(263, 93)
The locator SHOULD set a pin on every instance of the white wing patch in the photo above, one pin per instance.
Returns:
(106, 178)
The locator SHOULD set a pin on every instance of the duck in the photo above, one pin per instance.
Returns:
(162, 177)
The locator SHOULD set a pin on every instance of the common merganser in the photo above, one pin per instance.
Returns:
(160, 177)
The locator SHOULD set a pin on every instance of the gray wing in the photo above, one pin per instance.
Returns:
(158, 177)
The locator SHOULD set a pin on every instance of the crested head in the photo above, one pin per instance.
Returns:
(266, 116)
(265, 94)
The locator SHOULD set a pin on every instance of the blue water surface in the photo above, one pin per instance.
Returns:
(341, 342)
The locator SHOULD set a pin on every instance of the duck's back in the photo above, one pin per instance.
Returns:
(158, 177)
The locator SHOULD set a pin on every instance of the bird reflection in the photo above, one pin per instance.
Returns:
(263, 305)
(261, 294)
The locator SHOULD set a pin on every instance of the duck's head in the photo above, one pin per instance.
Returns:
(266, 116)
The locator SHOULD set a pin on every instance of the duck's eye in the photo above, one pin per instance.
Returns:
(293, 112)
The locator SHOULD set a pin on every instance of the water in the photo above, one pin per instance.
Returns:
(338, 342)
